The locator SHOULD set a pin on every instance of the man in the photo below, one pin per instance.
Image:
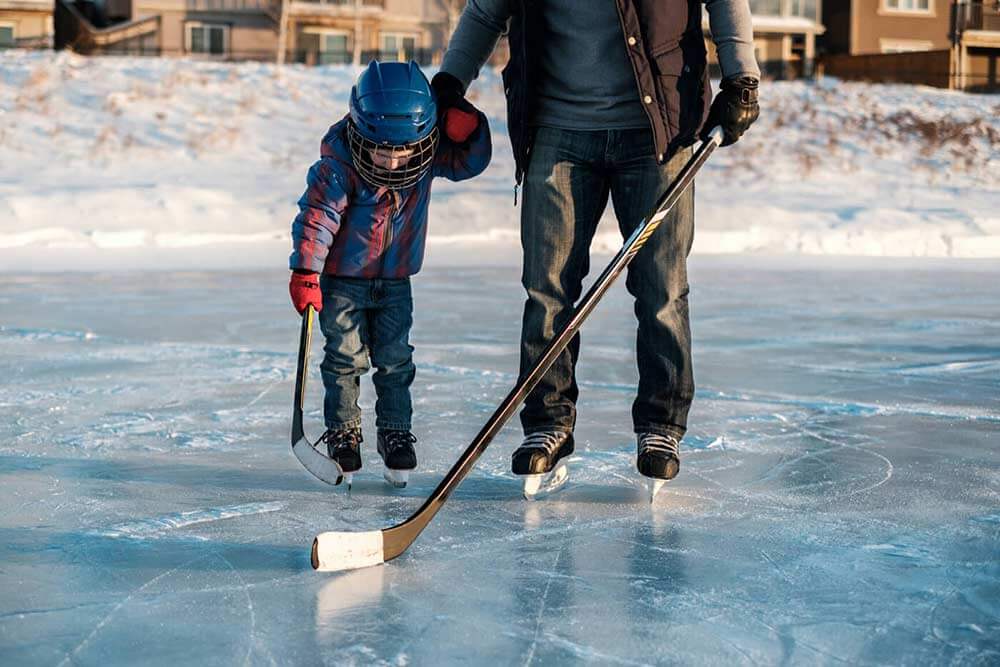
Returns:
(605, 97)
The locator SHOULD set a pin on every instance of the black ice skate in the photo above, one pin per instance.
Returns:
(396, 450)
(540, 461)
(659, 459)
(344, 446)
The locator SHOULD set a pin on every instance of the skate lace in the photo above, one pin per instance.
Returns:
(342, 439)
(396, 439)
(549, 441)
(660, 443)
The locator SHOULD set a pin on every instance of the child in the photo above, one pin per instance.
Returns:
(359, 236)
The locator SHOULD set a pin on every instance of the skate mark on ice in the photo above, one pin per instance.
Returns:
(70, 656)
(889, 469)
(159, 526)
(252, 639)
(541, 606)
(589, 654)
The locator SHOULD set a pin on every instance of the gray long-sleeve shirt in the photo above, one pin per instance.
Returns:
(585, 78)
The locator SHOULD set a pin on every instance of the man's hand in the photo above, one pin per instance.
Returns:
(304, 289)
(734, 109)
(458, 118)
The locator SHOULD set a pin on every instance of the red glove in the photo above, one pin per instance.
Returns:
(458, 116)
(304, 288)
(459, 124)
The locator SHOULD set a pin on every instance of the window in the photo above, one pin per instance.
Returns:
(6, 35)
(333, 49)
(211, 38)
(398, 46)
(804, 8)
(911, 6)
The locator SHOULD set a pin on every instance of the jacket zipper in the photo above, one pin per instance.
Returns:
(387, 231)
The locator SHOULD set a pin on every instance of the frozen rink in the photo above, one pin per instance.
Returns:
(839, 496)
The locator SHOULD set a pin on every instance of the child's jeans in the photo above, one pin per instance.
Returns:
(367, 319)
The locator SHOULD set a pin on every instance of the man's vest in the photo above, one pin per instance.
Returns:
(666, 47)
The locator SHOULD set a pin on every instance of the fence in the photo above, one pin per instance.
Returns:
(930, 68)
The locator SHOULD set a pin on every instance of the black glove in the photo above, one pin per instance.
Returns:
(735, 109)
(450, 94)
(458, 119)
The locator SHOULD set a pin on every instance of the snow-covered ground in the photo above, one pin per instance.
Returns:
(139, 163)
(839, 499)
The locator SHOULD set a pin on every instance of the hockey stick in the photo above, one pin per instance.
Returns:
(315, 461)
(338, 550)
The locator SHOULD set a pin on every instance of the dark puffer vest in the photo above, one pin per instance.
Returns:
(666, 47)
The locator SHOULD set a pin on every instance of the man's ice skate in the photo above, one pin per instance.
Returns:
(658, 459)
(344, 446)
(540, 461)
(396, 450)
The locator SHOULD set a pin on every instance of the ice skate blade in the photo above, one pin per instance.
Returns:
(396, 478)
(348, 480)
(654, 487)
(536, 486)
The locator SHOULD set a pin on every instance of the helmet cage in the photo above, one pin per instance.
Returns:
(421, 156)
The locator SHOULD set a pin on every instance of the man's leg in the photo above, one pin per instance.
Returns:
(657, 278)
(565, 193)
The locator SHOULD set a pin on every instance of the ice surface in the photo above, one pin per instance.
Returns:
(839, 498)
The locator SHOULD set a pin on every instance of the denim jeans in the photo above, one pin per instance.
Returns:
(367, 319)
(569, 178)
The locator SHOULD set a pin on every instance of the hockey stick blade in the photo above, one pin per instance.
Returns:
(319, 464)
(333, 551)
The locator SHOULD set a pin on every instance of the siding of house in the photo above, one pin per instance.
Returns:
(873, 26)
(32, 26)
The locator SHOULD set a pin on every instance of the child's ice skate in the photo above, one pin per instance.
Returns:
(396, 450)
(344, 446)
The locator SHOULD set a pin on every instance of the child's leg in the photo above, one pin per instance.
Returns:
(391, 353)
(345, 325)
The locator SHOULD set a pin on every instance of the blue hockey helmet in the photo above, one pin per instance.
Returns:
(393, 130)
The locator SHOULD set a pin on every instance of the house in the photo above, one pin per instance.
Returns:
(858, 27)
(25, 23)
(784, 35)
(309, 31)
(976, 44)
(946, 43)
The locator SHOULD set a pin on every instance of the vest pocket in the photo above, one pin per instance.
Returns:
(681, 82)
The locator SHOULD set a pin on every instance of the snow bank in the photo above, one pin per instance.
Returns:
(132, 162)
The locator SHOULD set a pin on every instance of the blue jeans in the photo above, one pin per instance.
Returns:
(569, 178)
(367, 319)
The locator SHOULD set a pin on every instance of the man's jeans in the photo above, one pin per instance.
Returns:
(366, 319)
(569, 178)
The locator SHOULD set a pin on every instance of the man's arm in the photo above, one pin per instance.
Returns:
(478, 31)
(732, 31)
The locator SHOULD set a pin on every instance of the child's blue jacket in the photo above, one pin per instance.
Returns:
(346, 227)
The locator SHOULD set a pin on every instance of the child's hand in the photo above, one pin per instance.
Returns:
(304, 288)
(457, 116)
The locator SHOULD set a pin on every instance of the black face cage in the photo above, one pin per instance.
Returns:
(395, 179)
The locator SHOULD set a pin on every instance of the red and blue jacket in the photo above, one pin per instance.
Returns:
(346, 227)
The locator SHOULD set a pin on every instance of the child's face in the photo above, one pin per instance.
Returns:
(391, 158)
